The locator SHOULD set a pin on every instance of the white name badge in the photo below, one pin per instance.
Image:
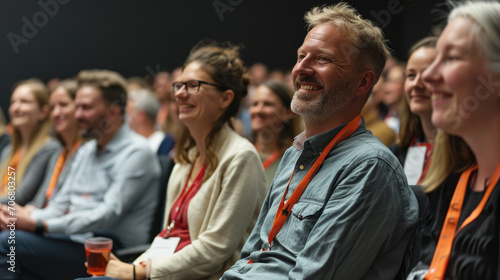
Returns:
(162, 247)
(414, 163)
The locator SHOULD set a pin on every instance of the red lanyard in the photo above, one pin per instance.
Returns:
(441, 256)
(184, 199)
(428, 158)
(271, 159)
(58, 168)
(284, 208)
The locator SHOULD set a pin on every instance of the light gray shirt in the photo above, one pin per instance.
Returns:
(40, 199)
(114, 190)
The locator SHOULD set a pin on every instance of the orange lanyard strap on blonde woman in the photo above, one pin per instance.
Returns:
(441, 256)
(284, 208)
(13, 164)
(58, 168)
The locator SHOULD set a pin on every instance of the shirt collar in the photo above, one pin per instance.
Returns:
(320, 141)
(114, 143)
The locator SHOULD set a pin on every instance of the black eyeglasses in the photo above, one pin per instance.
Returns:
(192, 87)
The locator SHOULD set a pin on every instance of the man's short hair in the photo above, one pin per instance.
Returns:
(144, 100)
(366, 41)
(112, 85)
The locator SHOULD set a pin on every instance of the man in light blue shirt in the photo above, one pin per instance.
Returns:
(355, 216)
(111, 190)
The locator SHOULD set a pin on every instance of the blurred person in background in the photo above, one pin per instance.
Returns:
(372, 115)
(162, 87)
(393, 91)
(142, 109)
(417, 133)
(272, 127)
(31, 144)
(136, 84)
(172, 128)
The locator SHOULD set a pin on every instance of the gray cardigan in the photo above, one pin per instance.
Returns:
(34, 174)
(40, 197)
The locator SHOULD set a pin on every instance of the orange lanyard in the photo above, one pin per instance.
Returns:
(271, 159)
(58, 168)
(284, 208)
(13, 164)
(441, 256)
(182, 201)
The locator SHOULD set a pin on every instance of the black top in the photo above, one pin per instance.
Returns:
(475, 251)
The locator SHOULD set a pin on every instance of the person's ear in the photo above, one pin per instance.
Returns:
(142, 116)
(227, 98)
(115, 111)
(365, 83)
(44, 113)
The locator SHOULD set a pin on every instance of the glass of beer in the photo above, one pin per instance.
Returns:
(97, 250)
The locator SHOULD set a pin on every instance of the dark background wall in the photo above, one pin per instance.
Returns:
(58, 38)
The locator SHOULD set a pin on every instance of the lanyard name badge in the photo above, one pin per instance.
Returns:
(284, 208)
(441, 256)
(417, 161)
(163, 244)
(414, 164)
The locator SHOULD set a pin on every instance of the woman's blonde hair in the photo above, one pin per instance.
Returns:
(40, 133)
(451, 155)
(223, 63)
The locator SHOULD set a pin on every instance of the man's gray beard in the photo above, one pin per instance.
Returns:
(330, 102)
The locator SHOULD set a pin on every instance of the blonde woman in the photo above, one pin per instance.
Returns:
(461, 234)
(417, 133)
(62, 113)
(31, 144)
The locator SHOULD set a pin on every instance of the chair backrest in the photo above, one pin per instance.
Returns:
(412, 253)
(166, 164)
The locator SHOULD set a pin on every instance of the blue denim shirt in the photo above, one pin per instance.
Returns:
(353, 221)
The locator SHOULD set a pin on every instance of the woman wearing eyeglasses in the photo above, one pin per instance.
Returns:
(217, 186)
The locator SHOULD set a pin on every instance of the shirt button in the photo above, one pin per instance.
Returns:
(301, 167)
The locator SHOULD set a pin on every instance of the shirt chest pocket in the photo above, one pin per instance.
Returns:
(92, 185)
(297, 228)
